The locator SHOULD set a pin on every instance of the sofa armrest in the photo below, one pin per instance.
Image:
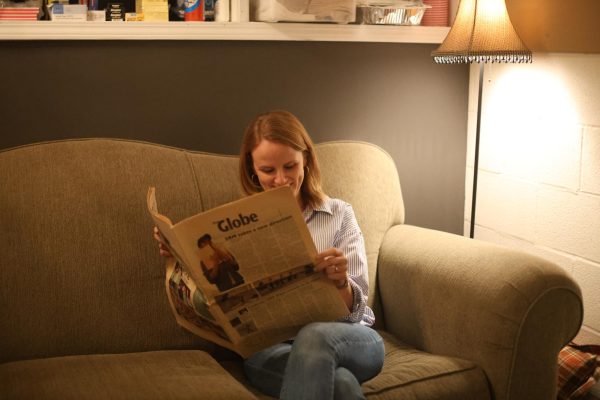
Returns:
(508, 311)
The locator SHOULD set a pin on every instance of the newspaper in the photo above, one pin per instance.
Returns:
(243, 273)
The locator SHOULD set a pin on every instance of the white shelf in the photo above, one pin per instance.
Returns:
(51, 30)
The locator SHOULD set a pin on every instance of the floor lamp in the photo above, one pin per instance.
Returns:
(481, 33)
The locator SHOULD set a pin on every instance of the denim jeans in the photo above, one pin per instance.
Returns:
(326, 360)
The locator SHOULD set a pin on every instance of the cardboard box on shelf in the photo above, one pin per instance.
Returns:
(153, 10)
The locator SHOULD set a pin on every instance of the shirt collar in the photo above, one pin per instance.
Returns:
(324, 207)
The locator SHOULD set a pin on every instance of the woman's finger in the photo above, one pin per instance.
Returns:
(327, 254)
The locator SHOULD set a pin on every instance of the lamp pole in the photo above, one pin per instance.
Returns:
(476, 155)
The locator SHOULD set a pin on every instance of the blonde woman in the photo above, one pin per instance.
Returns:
(326, 360)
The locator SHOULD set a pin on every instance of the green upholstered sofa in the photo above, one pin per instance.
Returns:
(85, 315)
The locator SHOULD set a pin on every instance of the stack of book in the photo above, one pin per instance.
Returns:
(19, 13)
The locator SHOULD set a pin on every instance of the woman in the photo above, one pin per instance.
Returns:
(325, 360)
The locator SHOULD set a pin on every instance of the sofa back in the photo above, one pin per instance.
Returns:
(80, 272)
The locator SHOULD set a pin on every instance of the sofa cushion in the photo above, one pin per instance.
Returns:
(183, 374)
(411, 374)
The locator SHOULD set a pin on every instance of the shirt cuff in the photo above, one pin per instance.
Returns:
(358, 304)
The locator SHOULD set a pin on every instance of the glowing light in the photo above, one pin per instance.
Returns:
(530, 126)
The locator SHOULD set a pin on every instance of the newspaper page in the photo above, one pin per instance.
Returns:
(243, 275)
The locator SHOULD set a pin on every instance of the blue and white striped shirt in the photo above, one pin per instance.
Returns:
(333, 224)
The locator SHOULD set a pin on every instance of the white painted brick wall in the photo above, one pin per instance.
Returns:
(569, 222)
(506, 204)
(590, 160)
(588, 275)
(539, 166)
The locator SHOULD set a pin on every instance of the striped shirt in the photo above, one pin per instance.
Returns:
(333, 224)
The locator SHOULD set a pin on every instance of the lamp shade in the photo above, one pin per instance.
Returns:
(482, 32)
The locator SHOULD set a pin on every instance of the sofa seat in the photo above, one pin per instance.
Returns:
(411, 374)
(174, 374)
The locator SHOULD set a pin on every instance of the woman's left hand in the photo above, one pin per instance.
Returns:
(334, 264)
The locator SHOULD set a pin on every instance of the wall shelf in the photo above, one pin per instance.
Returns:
(51, 30)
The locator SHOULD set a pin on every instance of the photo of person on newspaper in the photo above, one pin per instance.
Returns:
(325, 360)
(218, 264)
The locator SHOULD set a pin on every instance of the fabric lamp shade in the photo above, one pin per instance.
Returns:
(482, 32)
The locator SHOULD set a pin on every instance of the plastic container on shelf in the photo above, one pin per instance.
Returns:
(391, 12)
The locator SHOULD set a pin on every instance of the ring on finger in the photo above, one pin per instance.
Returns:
(336, 268)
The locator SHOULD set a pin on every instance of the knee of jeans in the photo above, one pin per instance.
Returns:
(315, 335)
(320, 329)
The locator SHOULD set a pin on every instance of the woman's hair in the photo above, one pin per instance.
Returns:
(284, 128)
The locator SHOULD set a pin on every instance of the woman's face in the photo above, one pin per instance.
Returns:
(278, 165)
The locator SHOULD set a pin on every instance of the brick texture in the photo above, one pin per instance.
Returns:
(539, 176)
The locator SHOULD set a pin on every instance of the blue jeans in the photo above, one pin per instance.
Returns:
(326, 360)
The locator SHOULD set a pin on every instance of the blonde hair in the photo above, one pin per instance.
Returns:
(281, 127)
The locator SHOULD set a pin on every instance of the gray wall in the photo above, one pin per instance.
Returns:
(200, 95)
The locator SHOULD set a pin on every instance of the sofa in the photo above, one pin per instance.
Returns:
(85, 313)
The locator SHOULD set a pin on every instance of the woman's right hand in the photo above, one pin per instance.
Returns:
(163, 250)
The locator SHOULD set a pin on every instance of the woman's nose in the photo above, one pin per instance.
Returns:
(280, 178)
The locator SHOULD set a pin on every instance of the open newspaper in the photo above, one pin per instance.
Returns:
(243, 273)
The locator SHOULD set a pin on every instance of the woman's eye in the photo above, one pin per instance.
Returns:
(289, 167)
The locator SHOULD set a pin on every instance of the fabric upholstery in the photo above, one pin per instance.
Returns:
(509, 312)
(365, 176)
(80, 241)
(409, 373)
(83, 297)
(175, 375)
